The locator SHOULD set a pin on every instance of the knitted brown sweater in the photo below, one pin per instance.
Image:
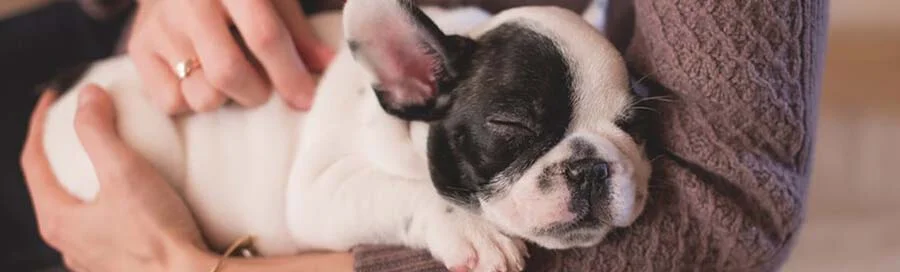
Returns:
(735, 135)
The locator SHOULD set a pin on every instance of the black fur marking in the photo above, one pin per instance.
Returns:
(353, 45)
(448, 210)
(582, 149)
(515, 71)
(419, 16)
(545, 180)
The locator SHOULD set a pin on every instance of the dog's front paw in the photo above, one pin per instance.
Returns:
(466, 243)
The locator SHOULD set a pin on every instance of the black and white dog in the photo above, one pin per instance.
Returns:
(461, 144)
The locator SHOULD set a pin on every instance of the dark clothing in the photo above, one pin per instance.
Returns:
(33, 48)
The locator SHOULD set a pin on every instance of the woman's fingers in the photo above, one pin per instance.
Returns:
(198, 93)
(224, 65)
(51, 202)
(271, 42)
(159, 82)
(316, 54)
(276, 31)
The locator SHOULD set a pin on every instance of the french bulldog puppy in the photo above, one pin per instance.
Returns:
(459, 132)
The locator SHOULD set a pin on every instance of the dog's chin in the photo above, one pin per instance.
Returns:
(586, 237)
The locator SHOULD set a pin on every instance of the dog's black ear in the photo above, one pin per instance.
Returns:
(412, 62)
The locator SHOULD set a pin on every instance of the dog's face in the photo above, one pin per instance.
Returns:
(523, 116)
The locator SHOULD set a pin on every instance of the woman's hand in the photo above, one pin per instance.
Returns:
(168, 32)
(137, 221)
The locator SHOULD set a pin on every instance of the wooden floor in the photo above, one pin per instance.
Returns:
(853, 221)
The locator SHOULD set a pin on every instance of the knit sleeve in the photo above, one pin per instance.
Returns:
(733, 132)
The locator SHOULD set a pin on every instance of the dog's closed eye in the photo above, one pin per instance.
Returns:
(508, 124)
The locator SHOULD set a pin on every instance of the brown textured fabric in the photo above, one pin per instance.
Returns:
(736, 136)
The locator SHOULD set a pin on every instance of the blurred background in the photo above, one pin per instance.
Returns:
(853, 219)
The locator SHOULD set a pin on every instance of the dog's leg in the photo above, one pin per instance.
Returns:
(351, 204)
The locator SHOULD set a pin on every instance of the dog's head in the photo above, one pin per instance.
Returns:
(524, 116)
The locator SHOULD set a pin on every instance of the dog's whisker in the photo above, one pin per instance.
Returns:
(658, 98)
(645, 109)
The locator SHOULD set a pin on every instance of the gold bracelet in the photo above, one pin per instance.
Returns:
(246, 243)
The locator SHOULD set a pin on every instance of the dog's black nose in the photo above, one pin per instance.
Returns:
(587, 171)
(587, 180)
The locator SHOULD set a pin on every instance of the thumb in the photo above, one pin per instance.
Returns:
(95, 124)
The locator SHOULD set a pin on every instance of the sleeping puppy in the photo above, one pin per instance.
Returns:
(427, 133)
